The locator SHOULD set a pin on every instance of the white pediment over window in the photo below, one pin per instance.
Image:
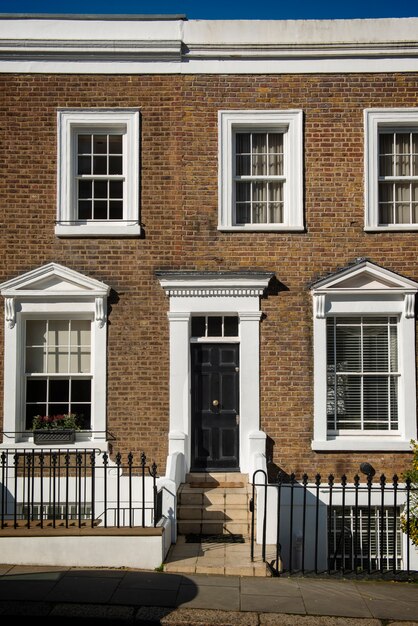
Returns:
(53, 280)
(364, 279)
(365, 276)
(53, 283)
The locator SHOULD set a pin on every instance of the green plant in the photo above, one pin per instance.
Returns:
(412, 475)
(63, 421)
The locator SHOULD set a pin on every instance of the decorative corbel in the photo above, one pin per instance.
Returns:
(10, 312)
(100, 312)
(409, 309)
(319, 306)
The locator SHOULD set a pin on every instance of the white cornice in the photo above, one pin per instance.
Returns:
(207, 46)
(215, 284)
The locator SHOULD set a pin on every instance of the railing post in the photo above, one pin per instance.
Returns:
(67, 460)
(16, 458)
(54, 488)
(154, 490)
(395, 529)
(317, 485)
(143, 461)
(41, 487)
(408, 521)
(79, 460)
(355, 540)
(330, 534)
(130, 460)
(292, 486)
(3, 486)
(382, 518)
(279, 504)
(118, 464)
(93, 486)
(344, 485)
(105, 462)
(304, 483)
(369, 512)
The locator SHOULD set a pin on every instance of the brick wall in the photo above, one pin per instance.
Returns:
(179, 204)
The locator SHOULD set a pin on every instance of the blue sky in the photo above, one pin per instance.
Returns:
(222, 9)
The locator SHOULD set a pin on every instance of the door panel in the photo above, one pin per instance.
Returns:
(215, 406)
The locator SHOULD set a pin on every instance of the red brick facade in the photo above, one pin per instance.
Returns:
(179, 215)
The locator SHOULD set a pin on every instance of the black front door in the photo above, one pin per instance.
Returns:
(215, 406)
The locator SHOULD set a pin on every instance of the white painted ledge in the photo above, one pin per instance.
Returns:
(354, 445)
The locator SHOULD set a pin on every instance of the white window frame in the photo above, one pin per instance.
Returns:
(364, 290)
(291, 124)
(71, 122)
(374, 121)
(56, 292)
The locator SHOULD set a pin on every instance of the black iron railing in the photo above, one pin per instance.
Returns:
(77, 487)
(344, 528)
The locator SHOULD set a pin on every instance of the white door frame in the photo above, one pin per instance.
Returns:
(215, 293)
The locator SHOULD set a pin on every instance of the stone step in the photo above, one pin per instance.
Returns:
(235, 512)
(213, 527)
(216, 477)
(205, 497)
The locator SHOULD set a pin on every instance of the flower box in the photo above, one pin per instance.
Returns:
(53, 435)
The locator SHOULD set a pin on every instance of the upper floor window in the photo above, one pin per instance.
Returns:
(260, 170)
(391, 152)
(98, 173)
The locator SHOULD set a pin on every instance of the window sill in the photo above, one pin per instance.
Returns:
(98, 230)
(392, 229)
(261, 228)
(362, 444)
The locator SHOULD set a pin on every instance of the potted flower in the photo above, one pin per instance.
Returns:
(55, 428)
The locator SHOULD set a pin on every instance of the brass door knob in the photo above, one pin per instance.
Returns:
(215, 402)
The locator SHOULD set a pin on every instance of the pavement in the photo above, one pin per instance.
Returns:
(82, 596)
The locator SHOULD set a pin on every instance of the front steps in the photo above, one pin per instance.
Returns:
(214, 527)
(214, 504)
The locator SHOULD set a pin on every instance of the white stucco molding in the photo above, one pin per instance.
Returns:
(106, 45)
(214, 284)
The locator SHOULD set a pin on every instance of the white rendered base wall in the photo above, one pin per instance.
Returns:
(88, 551)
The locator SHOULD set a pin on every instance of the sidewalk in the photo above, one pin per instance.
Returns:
(114, 596)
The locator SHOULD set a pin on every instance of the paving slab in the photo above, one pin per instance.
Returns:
(383, 591)
(34, 590)
(145, 597)
(333, 598)
(208, 580)
(150, 580)
(209, 596)
(272, 604)
(270, 586)
(82, 589)
(392, 609)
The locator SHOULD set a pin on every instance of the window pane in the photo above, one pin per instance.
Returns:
(85, 189)
(58, 333)
(243, 192)
(100, 188)
(376, 402)
(84, 210)
(35, 360)
(386, 154)
(403, 154)
(57, 361)
(243, 214)
(259, 214)
(260, 192)
(99, 165)
(115, 210)
(375, 349)
(230, 326)
(80, 332)
(59, 390)
(348, 348)
(79, 361)
(35, 332)
(100, 210)
(275, 213)
(35, 390)
(198, 326)
(84, 144)
(115, 144)
(100, 144)
(275, 147)
(116, 189)
(348, 399)
(84, 165)
(80, 390)
(215, 326)
(115, 165)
